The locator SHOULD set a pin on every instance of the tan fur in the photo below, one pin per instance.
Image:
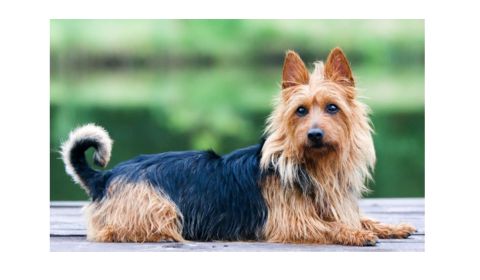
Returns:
(338, 68)
(295, 218)
(292, 216)
(294, 73)
(133, 213)
(337, 172)
(388, 231)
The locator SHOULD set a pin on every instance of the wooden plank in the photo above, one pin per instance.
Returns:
(392, 202)
(63, 244)
(57, 204)
(366, 202)
(67, 232)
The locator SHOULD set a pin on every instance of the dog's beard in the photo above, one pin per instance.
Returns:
(315, 151)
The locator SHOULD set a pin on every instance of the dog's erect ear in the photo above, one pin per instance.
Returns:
(294, 71)
(337, 68)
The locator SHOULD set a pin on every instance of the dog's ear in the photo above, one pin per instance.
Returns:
(294, 71)
(337, 68)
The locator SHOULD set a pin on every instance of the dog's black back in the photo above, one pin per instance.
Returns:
(218, 196)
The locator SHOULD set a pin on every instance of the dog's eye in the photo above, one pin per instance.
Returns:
(332, 109)
(302, 111)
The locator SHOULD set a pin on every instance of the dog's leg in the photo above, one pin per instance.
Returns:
(343, 235)
(385, 231)
(314, 230)
(133, 213)
(293, 218)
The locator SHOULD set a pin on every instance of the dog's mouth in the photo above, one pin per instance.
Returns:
(320, 146)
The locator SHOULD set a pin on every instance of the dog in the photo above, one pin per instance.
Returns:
(300, 184)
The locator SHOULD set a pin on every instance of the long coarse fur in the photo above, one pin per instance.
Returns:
(336, 180)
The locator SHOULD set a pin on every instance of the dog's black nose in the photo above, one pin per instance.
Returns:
(315, 135)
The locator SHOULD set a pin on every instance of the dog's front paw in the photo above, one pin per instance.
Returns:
(369, 238)
(360, 238)
(402, 231)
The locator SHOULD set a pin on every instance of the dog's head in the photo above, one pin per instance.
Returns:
(317, 107)
(318, 117)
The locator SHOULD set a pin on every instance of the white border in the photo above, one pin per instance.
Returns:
(452, 147)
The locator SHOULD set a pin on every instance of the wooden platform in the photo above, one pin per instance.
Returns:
(67, 232)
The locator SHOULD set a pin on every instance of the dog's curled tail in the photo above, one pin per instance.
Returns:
(76, 165)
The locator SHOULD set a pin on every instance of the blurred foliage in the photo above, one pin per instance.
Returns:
(160, 85)
(385, 42)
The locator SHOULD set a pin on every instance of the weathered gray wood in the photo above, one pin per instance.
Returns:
(54, 204)
(67, 232)
(367, 202)
(64, 243)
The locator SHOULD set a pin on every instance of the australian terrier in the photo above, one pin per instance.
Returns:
(301, 184)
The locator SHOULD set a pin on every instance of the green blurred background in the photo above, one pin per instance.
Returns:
(161, 85)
